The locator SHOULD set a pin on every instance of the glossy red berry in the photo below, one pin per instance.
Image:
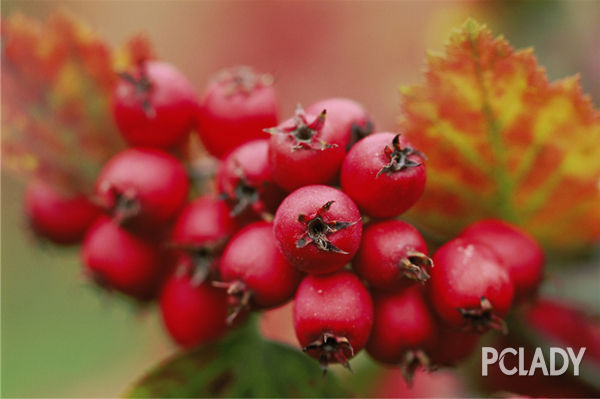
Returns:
(384, 175)
(142, 188)
(469, 286)
(244, 178)
(116, 259)
(307, 149)
(154, 105)
(237, 106)
(521, 255)
(349, 115)
(333, 316)
(255, 272)
(200, 233)
(403, 328)
(193, 313)
(61, 217)
(318, 228)
(392, 256)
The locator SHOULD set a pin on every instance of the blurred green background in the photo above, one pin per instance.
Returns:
(63, 338)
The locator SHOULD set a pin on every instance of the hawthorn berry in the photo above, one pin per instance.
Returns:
(347, 114)
(142, 188)
(254, 271)
(200, 233)
(119, 260)
(307, 149)
(403, 328)
(521, 255)
(384, 175)
(154, 105)
(61, 217)
(193, 313)
(237, 106)
(469, 286)
(451, 345)
(333, 316)
(244, 178)
(318, 228)
(392, 255)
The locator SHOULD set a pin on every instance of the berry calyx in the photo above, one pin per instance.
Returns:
(392, 256)
(399, 157)
(235, 109)
(318, 228)
(244, 179)
(333, 316)
(303, 134)
(306, 149)
(384, 175)
(469, 287)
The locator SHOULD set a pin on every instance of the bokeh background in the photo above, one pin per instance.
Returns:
(63, 338)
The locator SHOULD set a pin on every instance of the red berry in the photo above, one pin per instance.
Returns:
(118, 260)
(143, 188)
(384, 175)
(154, 105)
(451, 346)
(59, 216)
(193, 313)
(237, 106)
(200, 233)
(333, 316)
(392, 255)
(469, 286)
(318, 228)
(349, 115)
(403, 327)
(520, 253)
(255, 272)
(244, 177)
(307, 149)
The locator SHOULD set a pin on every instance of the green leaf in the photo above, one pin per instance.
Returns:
(242, 365)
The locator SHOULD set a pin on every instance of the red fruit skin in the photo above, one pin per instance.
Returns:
(173, 107)
(288, 229)
(389, 194)
(118, 260)
(293, 168)
(465, 271)
(250, 162)
(158, 181)
(521, 255)
(402, 321)
(228, 117)
(452, 345)
(336, 303)
(384, 244)
(347, 114)
(205, 220)
(253, 258)
(193, 314)
(62, 218)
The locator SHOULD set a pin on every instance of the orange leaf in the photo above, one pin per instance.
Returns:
(503, 141)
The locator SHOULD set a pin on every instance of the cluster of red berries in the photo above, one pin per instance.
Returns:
(278, 229)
